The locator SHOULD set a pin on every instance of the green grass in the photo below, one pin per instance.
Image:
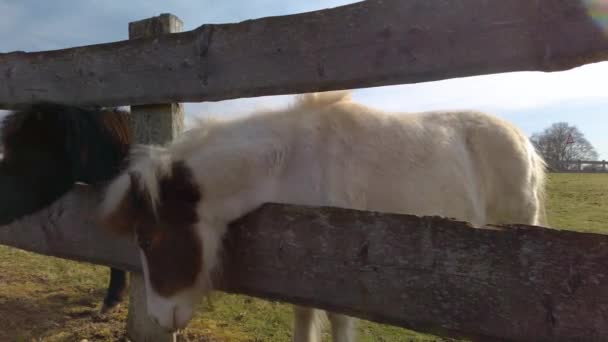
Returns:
(44, 298)
(578, 202)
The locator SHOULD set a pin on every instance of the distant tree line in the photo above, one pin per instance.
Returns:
(562, 144)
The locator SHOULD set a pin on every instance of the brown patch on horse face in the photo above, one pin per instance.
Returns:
(167, 236)
(168, 240)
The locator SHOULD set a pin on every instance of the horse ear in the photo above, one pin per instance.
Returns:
(120, 208)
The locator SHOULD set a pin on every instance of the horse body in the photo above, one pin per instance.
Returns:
(47, 148)
(324, 151)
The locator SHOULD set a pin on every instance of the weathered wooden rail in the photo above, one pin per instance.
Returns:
(430, 274)
(435, 275)
(370, 43)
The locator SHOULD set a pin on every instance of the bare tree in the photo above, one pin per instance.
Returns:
(561, 144)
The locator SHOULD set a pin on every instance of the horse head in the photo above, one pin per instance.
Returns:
(156, 201)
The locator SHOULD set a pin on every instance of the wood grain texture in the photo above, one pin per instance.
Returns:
(430, 274)
(366, 44)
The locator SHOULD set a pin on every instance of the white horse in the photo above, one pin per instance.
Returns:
(324, 150)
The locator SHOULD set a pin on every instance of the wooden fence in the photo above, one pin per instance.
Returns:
(500, 283)
(581, 166)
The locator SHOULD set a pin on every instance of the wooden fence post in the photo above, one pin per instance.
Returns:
(154, 124)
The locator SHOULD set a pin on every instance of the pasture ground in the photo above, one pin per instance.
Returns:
(49, 299)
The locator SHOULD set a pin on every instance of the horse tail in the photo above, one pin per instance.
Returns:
(539, 183)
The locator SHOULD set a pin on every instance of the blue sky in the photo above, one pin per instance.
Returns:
(531, 100)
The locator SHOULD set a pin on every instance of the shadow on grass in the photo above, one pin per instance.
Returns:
(58, 316)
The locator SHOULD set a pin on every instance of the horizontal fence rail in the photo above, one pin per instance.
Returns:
(366, 44)
(584, 166)
(430, 274)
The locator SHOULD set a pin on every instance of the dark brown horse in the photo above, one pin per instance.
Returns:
(47, 148)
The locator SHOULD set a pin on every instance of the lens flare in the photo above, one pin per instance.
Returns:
(598, 12)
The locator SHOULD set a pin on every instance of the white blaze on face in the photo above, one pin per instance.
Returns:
(171, 313)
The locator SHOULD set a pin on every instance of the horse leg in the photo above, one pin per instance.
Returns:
(342, 327)
(116, 290)
(307, 327)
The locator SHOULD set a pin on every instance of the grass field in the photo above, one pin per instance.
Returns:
(50, 299)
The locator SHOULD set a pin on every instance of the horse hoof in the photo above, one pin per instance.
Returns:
(107, 308)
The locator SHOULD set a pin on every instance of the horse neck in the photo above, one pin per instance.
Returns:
(238, 179)
(234, 181)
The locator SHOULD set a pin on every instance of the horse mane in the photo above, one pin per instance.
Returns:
(144, 186)
(48, 147)
(312, 100)
(148, 165)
